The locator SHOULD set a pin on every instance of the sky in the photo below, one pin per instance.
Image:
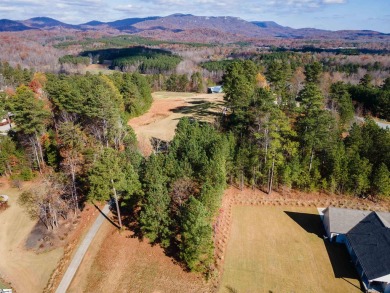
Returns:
(322, 14)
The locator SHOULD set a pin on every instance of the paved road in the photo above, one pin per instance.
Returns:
(78, 257)
(380, 124)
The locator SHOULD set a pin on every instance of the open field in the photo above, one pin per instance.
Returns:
(167, 108)
(99, 68)
(280, 249)
(24, 269)
(117, 262)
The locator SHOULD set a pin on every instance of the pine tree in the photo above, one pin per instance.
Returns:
(196, 237)
(340, 95)
(154, 217)
(31, 117)
(382, 180)
(107, 179)
(313, 72)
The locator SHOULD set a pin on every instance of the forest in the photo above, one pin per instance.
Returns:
(290, 125)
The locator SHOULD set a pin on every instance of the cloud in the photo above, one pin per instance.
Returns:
(334, 1)
(83, 3)
(125, 8)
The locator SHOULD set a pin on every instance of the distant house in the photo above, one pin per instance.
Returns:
(5, 124)
(367, 237)
(215, 89)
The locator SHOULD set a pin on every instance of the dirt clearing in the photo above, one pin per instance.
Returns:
(25, 270)
(117, 262)
(167, 108)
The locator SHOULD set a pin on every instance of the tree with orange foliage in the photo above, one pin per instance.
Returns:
(261, 81)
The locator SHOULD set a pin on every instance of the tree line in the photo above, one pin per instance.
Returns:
(64, 126)
(303, 145)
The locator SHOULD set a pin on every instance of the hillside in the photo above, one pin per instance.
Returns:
(187, 27)
(7, 25)
(46, 23)
(223, 24)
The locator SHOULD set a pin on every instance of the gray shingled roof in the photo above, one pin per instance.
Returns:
(370, 240)
(385, 218)
(342, 220)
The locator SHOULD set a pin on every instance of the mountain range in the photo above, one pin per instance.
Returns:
(206, 27)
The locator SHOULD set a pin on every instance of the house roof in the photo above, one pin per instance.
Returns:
(216, 88)
(342, 220)
(385, 218)
(370, 240)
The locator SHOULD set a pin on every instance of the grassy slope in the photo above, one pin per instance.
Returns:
(118, 262)
(269, 251)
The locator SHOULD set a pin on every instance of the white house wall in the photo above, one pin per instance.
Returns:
(326, 223)
(384, 279)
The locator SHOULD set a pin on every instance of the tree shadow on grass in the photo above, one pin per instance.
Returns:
(230, 289)
(338, 254)
(107, 218)
(199, 108)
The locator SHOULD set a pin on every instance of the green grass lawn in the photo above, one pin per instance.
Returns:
(279, 249)
(164, 94)
(3, 286)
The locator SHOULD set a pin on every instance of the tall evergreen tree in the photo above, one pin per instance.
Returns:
(154, 217)
(196, 237)
(313, 72)
(340, 95)
(382, 180)
(31, 117)
(107, 179)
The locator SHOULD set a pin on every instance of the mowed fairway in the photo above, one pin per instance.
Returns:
(280, 249)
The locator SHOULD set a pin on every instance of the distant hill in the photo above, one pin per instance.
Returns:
(187, 27)
(93, 23)
(47, 23)
(7, 25)
(125, 24)
(222, 24)
(267, 24)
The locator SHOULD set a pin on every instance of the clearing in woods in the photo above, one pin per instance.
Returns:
(281, 249)
(119, 262)
(167, 109)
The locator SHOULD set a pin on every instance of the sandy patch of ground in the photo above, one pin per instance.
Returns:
(25, 270)
(117, 262)
(167, 109)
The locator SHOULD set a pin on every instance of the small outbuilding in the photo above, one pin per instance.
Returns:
(215, 89)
